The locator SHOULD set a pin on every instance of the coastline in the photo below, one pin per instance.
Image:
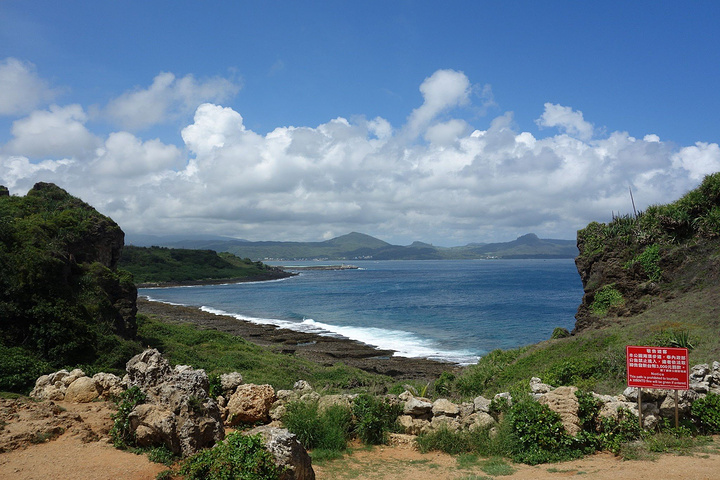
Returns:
(317, 348)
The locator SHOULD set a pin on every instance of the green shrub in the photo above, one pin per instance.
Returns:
(161, 455)
(538, 434)
(19, 369)
(120, 432)
(588, 410)
(238, 457)
(605, 298)
(215, 388)
(327, 430)
(559, 332)
(374, 418)
(443, 384)
(616, 432)
(649, 260)
(706, 413)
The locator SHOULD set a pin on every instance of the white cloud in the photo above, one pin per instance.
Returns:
(124, 155)
(21, 90)
(57, 132)
(166, 99)
(441, 91)
(567, 120)
(699, 160)
(301, 183)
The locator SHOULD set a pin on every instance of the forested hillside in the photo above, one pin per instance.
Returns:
(177, 266)
(62, 299)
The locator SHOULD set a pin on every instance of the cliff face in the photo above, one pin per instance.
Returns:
(634, 261)
(61, 295)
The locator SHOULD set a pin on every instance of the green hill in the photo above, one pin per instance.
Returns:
(62, 299)
(358, 246)
(178, 266)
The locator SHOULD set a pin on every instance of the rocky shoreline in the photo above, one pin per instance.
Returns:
(320, 349)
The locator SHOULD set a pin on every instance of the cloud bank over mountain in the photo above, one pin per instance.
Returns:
(436, 178)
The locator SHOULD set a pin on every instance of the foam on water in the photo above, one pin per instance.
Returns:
(404, 344)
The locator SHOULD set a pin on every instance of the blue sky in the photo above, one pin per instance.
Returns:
(449, 122)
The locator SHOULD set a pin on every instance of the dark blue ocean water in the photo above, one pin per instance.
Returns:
(451, 310)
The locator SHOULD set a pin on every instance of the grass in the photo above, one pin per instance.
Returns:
(496, 467)
(219, 352)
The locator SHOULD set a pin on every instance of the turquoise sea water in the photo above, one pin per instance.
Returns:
(449, 310)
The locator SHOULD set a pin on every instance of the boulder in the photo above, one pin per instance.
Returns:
(147, 369)
(537, 387)
(482, 404)
(82, 390)
(289, 454)
(230, 381)
(302, 386)
(327, 401)
(250, 404)
(445, 407)
(439, 421)
(563, 401)
(108, 384)
(154, 425)
(178, 412)
(47, 388)
(411, 425)
(417, 407)
(611, 409)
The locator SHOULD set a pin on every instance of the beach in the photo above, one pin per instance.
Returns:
(321, 349)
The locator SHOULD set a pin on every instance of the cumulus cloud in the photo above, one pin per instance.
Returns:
(21, 90)
(56, 132)
(166, 99)
(698, 160)
(567, 120)
(301, 183)
(441, 91)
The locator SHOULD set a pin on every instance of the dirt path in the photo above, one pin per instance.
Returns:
(66, 441)
(405, 463)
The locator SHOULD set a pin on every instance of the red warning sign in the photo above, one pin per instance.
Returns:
(658, 367)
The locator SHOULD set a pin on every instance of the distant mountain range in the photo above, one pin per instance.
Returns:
(358, 246)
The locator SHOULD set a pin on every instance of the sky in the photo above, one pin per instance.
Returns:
(443, 122)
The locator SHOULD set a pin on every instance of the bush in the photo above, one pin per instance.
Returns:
(538, 435)
(706, 413)
(374, 418)
(238, 457)
(616, 432)
(327, 430)
(19, 369)
(606, 298)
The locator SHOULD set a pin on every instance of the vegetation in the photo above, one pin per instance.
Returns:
(326, 432)
(120, 433)
(219, 352)
(359, 246)
(606, 298)
(60, 294)
(238, 457)
(374, 418)
(175, 265)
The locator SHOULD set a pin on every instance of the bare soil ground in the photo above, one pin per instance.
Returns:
(64, 441)
(403, 462)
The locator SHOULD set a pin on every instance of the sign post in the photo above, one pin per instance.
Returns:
(664, 368)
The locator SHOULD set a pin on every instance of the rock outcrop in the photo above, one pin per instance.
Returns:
(179, 412)
(289, 454)
(250, 404)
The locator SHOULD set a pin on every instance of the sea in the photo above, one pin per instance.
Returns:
(449, 310)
